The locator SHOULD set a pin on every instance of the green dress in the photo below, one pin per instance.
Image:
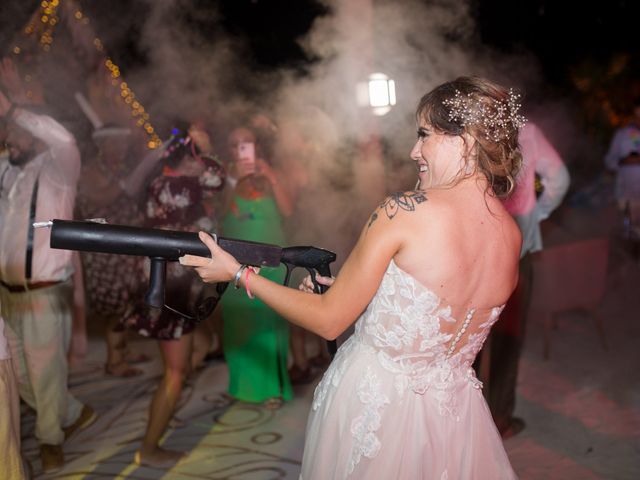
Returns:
(255, 338)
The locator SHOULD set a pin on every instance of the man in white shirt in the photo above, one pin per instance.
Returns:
(38, 183)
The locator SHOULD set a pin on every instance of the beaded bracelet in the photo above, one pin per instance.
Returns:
(246, 283)
(236, 277)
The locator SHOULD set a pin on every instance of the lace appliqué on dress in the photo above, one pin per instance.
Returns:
(438, 378)
(334, 373)
(364, 426)
(475, 341)
(416, 309)
(413, 348)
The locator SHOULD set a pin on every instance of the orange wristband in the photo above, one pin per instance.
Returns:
(246, 282)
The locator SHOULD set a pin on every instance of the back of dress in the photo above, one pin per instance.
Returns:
(400, 399)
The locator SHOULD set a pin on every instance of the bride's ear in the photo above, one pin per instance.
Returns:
(469, 144)
(468, 153)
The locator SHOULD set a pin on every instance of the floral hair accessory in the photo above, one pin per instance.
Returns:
(498, 117)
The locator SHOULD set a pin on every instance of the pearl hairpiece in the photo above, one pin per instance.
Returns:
(499, 117)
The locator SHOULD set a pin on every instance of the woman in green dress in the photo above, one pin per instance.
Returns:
(255, 339)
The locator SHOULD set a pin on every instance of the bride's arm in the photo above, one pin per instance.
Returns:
(330, 314)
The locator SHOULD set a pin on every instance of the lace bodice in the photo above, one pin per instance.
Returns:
(414, 336)
(409, 325)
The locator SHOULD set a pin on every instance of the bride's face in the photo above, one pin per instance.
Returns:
(438, 157)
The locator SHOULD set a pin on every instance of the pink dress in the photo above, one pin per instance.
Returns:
(401, 400)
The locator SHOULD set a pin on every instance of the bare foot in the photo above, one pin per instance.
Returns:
(159, 458)
(273, 403)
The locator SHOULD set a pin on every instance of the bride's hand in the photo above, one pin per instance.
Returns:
(306, 285)
(221, 267)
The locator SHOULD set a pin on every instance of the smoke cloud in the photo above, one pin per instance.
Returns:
(347, 159)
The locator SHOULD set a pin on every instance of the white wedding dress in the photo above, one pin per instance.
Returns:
(401, 400)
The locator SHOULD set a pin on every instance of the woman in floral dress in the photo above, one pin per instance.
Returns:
(174, 202)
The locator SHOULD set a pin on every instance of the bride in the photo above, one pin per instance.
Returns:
(429, 275)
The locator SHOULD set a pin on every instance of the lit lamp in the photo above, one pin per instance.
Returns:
(378, 93)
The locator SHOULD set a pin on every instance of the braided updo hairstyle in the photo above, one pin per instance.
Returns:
(496, 153)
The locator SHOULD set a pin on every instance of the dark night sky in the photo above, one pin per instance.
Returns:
(570, 38)
(560, 32)
(270, 27)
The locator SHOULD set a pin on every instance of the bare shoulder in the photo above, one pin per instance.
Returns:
(396, 206)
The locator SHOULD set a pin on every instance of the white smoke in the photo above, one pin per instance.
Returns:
(190, 74)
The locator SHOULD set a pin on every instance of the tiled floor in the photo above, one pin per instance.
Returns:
(581, 406)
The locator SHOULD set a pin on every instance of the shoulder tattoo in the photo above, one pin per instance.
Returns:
(399, 201)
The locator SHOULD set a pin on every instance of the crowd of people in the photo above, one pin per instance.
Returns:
(400, 399)
(49, 296)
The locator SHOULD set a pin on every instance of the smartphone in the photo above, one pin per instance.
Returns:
(246, 152)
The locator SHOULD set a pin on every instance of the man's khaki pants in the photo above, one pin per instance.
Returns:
(38, 330)
(10, 460)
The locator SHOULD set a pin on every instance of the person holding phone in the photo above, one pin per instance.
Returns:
(255, 339)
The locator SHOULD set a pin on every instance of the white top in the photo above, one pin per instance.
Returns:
(625, 141)
(58, 168)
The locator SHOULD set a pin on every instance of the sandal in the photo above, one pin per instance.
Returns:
(122, 370)
(273, 403)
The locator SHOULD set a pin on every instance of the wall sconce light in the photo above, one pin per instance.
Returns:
(378, 93)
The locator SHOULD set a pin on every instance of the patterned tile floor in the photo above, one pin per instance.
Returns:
(581, 407)
(237, 441)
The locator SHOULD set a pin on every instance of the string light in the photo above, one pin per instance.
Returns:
(48, 19)
(129, 98)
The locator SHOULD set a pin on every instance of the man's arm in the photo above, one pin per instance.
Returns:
(44, 128)
(63, 167)
(65, 164)
(135, 182)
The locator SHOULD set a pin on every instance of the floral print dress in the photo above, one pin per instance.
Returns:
(173, 203)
